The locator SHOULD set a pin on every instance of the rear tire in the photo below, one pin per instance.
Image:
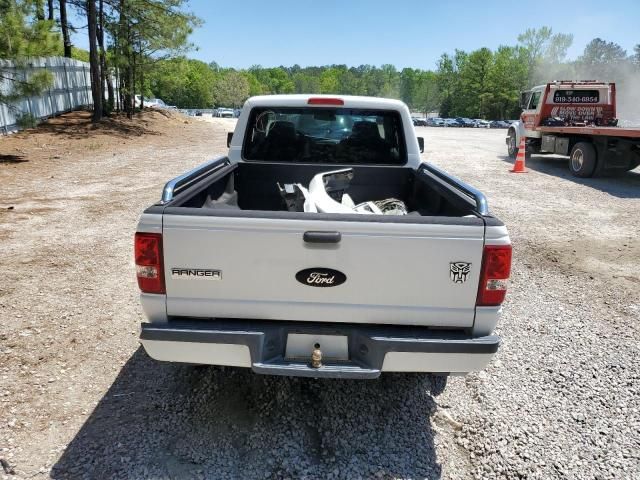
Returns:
(512, 146)
(583, 160)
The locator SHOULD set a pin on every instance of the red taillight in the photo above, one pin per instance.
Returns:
(148, 253)
(325, 101)
(496, 267)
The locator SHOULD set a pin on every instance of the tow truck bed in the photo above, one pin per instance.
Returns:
(604, 131)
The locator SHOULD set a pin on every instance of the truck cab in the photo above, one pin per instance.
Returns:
(531, 105)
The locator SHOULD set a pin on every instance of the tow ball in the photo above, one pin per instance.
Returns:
(316, 356)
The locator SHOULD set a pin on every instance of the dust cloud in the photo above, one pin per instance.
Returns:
(628, 97)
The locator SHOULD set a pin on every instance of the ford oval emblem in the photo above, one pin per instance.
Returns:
(321, 277)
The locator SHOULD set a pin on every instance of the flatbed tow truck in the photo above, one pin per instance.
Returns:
(576, 119)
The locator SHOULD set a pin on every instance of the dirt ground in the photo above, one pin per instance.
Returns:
(73, 380)
(71, 196)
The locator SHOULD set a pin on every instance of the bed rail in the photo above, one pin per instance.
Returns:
(180, 183)
(475, 195)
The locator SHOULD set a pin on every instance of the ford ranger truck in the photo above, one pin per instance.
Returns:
(322, 246)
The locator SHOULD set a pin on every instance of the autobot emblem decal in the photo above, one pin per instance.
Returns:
(321, 277)
(459, 271)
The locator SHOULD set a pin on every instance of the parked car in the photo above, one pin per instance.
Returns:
(479, 123)
(154, 103)
(499, 124)
(224, 113)
(465, 122)
(451, 122)
(435, 122)
(157, 103)
(419, 122)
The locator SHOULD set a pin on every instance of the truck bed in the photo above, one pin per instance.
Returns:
(397, 266)
(603, 131)
(255, 187)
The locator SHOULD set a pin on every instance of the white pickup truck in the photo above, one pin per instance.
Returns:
(322, 246)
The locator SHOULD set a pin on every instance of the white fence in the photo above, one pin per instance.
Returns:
(71, 89)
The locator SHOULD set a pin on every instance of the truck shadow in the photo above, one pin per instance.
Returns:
(170, 421)
(624, 185)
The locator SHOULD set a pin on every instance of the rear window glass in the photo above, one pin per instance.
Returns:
(325, 135)
(576, 96)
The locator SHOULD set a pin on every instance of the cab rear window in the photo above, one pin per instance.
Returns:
(325, 135)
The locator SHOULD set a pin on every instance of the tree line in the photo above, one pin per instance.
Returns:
(483, 83)
(140, 47)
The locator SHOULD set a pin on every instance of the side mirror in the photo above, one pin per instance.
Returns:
(421, 144)
(229, 137)
(524, 100)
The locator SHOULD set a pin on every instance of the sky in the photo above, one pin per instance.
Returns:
(404, 33)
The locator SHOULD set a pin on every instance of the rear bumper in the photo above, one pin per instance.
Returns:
(372, 349)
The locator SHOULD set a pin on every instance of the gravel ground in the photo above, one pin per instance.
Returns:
(561, 399)
(80, 399)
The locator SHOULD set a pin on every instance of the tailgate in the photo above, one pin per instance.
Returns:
(393, 273)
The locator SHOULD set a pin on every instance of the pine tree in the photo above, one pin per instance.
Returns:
(24, 34)
(94, 61)
(64, 26)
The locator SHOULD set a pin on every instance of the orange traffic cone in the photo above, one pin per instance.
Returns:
(518, 167)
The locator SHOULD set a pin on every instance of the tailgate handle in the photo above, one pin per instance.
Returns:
(322, 237)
